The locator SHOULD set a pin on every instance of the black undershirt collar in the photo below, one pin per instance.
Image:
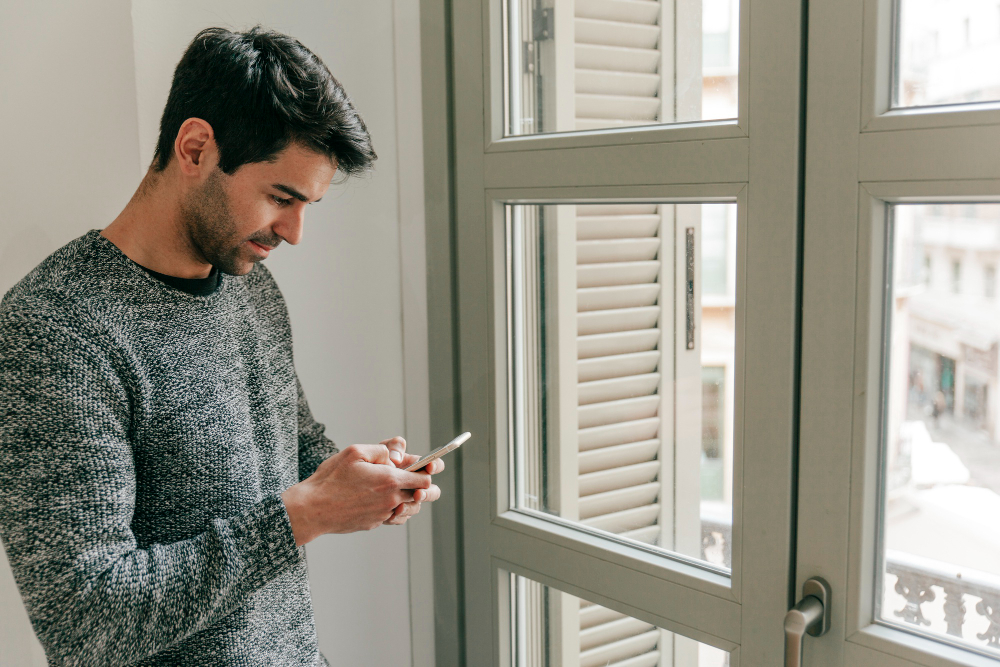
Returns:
(194, 286)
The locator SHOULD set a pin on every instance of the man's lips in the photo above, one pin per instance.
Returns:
(262, 249)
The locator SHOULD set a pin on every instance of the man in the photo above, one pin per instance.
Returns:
(160, 469)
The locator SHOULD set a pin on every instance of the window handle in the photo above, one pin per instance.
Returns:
(811, 614)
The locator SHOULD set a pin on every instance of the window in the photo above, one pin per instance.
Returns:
(717, 28)
(942, 56)
(956, 276)
(611, 330)
(551, 628)
(713, 432)
(939, 437)
(595, 64)
(715, 243)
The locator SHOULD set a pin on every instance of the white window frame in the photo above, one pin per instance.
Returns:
(862, 157)
(756, 163)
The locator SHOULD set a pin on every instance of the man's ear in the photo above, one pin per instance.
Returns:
(195, 148)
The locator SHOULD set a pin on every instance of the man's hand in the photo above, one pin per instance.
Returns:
(360, 488)
(398, 455)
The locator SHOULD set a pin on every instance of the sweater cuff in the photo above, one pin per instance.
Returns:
(263, 538)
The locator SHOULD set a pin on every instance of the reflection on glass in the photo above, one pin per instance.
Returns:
(941, 525)
(947, 52)
(622, 376)
(596, 64)
(556, 629)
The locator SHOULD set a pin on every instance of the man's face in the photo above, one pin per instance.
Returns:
(234, 220)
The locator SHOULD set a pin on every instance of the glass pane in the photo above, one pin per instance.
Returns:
(941, 525)
(623, 347)
(556, 629)
(597, 64)
(947, 52)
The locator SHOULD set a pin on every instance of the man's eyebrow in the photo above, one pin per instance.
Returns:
(294, 193)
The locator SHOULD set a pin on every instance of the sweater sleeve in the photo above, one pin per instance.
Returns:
(67, 496)
(314, 446)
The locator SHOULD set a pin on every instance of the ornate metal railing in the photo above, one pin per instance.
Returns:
(920, 581)
(717, 540)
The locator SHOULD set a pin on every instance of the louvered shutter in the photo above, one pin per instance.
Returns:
(617, 63)
(618, 340)
(618, 82)
(622, 349)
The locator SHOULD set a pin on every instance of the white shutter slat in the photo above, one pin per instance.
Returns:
(647, 535)
(616, 33)
(594, 614)
(619, 319)
(619, 522)
(620, 342)
(617, 478)
(619, 273)
(608, 502)
(605, 82)
(601, 391)
(606, 251)
(617, 58)
(614, 412)
(614, 208)
(625, 107)
(646, 660)
(606, 633)
(635, 11)
(617, 434)
(603, 368)
(620, 650)
(617, 226)
(615, 297)
(618, 455)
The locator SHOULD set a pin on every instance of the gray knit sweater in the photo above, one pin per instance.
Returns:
(145, 437)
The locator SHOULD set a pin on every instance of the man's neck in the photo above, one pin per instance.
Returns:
(149, 231)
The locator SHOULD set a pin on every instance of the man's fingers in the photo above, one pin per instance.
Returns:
(408, 460)
(434, 467)
(397, 449)
(413, 480)
(405, 497)
(428, 495)
(371, 453)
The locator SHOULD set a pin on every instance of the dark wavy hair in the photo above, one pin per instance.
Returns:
(260, 91)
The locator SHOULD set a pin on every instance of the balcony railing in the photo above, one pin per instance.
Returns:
(919, 581)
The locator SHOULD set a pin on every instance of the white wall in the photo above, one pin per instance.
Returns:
(69, 163)
(346, 283)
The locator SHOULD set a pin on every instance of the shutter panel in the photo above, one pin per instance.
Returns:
(618, 360)
(616, 67)
(617, 61)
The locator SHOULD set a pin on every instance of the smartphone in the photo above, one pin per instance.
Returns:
(440, 451)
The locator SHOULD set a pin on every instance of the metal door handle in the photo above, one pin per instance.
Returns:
(811, 614)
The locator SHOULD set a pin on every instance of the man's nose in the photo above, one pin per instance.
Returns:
(289, 228)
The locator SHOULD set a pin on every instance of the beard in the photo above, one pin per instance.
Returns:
(215, 233)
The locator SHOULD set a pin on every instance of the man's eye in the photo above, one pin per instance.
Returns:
(281, 202)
